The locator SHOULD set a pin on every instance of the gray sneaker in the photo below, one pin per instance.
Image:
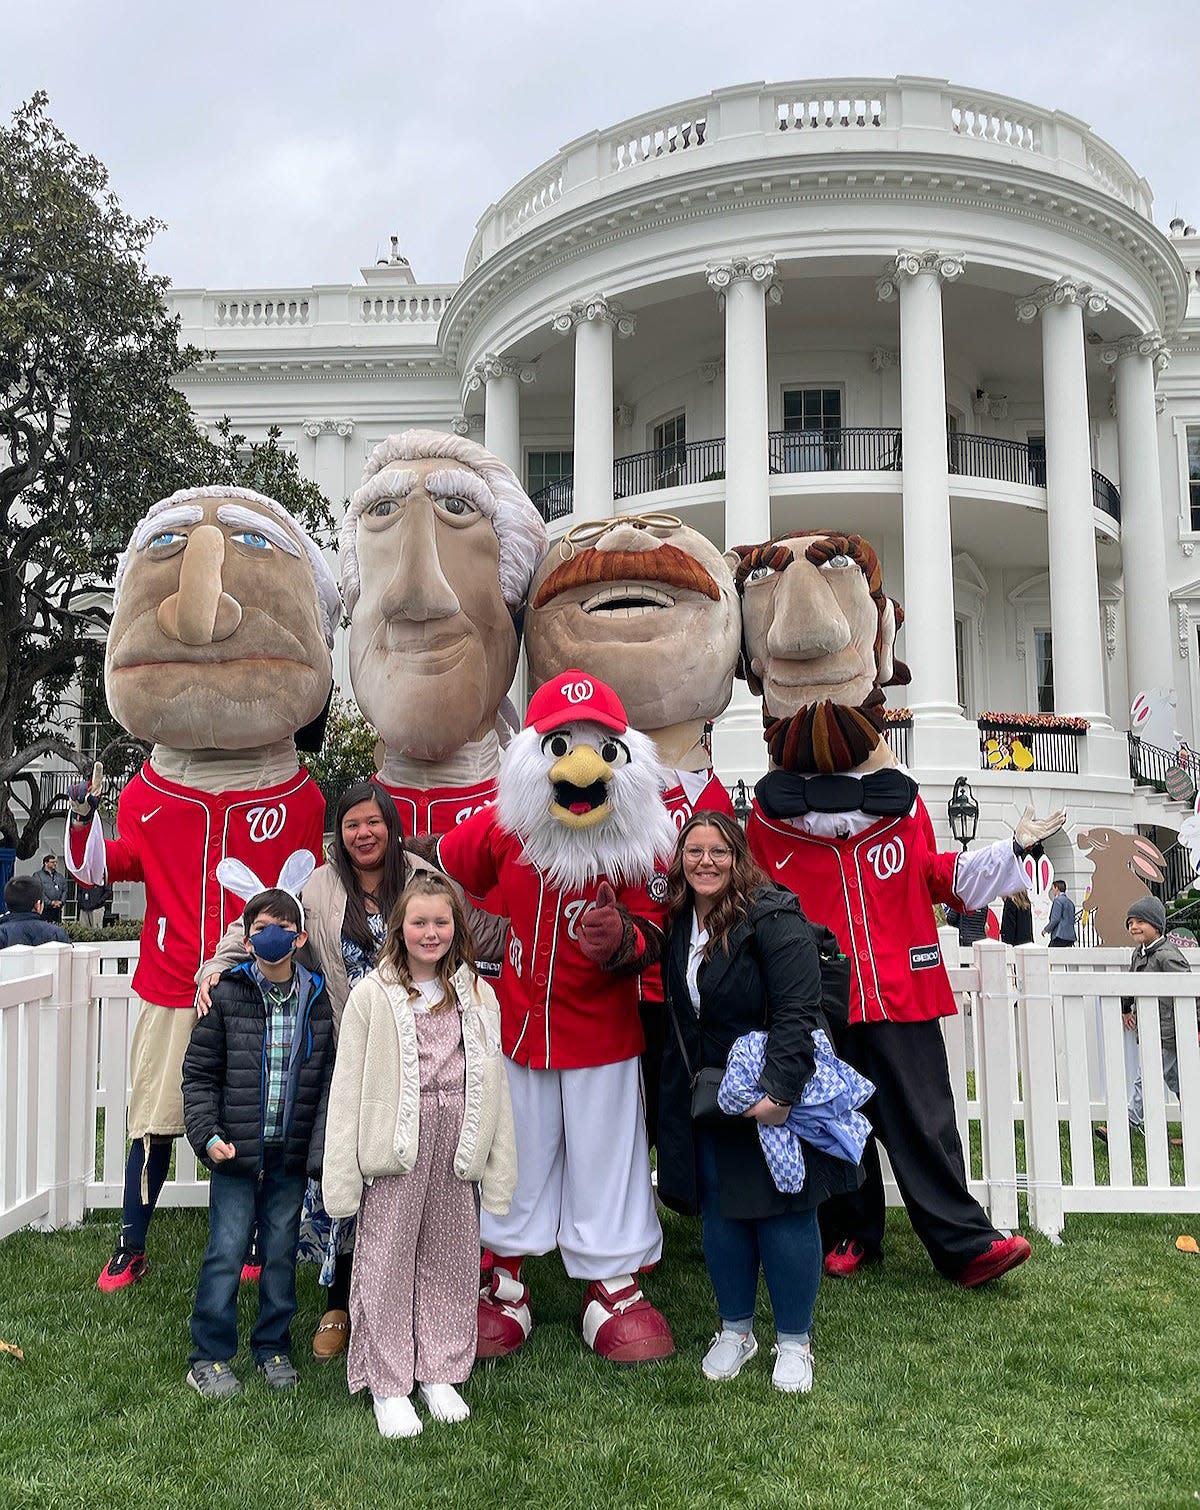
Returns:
(215, 1381)
(727, 1354)
(278, 1372)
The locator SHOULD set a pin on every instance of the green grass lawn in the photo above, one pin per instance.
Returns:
(1072, 1382)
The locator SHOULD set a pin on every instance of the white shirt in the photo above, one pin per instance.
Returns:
(432, 995)
(695, 958)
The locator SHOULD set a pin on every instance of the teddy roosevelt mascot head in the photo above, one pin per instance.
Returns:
(438, 547)
(648, 605)
(223, 618)
(819, 638)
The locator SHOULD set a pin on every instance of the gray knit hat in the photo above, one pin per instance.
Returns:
(1149, 910)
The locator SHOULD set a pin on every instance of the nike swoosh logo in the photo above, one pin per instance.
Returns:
(779, 864)
(146, 817)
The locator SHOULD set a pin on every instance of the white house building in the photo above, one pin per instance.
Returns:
(941, 318)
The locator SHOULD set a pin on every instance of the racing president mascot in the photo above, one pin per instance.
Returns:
(649, 606)
(438, 546)
(218, 654)
(571, 853)
(840, 823)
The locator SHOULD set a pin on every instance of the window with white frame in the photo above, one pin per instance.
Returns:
(1043, 662)
(670, 447)
(812, 423)
(1193, 466)
(544, 467)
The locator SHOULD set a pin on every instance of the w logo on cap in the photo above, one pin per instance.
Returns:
(575, 697)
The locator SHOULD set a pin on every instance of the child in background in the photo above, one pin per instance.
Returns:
(419, 1114)
(255, 1087)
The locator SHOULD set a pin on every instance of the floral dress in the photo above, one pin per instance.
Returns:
(323, 1238)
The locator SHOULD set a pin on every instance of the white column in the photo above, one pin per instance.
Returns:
(917, 278)
(594, 322)
(1149, 649)
(1071, 535)
(743, 285)
(501, 380)
(329, 469)
(331, 437)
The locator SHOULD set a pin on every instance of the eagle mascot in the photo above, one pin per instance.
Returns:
(574, 852)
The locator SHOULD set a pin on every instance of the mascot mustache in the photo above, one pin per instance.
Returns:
(825, 736)
(666, 564)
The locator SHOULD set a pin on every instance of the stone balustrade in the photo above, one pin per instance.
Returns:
(806, 118)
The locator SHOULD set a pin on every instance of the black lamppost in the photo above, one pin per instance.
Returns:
(741, 803)
(963, 812)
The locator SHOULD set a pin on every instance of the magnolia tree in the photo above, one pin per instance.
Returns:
(92, 431)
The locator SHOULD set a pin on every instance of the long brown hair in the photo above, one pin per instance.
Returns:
(745, 878)
(393, 957)
(355, 926)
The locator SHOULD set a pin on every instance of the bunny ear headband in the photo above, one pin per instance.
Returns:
(240, 879)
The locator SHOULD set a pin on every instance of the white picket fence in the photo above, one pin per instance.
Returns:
(1037, 1057)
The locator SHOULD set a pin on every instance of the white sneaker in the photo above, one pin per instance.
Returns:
(395, 1416)
(444, 1402)
(727, 1355)
(793, 1367)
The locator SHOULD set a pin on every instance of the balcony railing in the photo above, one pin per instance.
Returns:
(1151, 766)
(1008, 747)
(844, 449)
(669, 467)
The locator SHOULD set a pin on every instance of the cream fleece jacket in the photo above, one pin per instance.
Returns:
(374, 1102)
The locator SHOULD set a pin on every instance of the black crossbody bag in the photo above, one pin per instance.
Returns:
(704, 1082)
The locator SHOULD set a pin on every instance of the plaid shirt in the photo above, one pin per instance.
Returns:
(281, 1001)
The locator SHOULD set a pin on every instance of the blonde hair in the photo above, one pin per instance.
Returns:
(393, 957)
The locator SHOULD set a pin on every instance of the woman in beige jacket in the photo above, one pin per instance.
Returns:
(419, 1115)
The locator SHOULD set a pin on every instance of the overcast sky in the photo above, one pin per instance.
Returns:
(284, 143)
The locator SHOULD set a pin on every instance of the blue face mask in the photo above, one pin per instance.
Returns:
(273, 943)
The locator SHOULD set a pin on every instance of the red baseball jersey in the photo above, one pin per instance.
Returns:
(558, 1010)
(876, 891)
(172, 838)
(695, 791)
(439, 809)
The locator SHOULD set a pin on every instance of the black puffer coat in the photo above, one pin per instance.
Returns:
(225, 1075)
(771, 978)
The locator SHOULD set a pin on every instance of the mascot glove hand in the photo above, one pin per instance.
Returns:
(1031, 829)
(83, 797)
(602, 927)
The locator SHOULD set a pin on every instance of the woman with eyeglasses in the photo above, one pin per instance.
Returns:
(740, 959)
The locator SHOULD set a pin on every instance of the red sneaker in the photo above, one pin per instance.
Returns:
(125, 1267)
(622, 1325)
(1004, 1254)
(502, 1325)
(848, 1257)
(251, 1274)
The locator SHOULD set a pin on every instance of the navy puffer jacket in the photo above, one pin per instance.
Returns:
(225, 1075)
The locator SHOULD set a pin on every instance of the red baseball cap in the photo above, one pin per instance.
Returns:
(575, 697)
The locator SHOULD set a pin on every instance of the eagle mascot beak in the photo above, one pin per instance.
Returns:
(580, 780)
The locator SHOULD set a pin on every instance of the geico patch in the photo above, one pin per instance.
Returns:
(924, 957)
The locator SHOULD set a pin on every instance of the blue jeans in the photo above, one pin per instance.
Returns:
(235, 1202)
(787, 1247)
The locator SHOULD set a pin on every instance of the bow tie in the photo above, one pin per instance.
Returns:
(883, 794)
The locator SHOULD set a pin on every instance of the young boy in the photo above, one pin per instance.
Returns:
(25, 921)
(255, 1083)
(1147, 923)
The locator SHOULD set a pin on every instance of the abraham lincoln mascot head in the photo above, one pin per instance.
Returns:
(818, 645)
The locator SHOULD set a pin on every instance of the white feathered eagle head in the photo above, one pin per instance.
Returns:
(582, 790)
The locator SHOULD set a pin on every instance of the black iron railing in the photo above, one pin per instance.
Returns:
(839, 450)
(1005, 747)
(1105, 496)
(1179, 874)
(897, 736)
(1149, 766)
(554, 501)
(669, 467)
(858, 449)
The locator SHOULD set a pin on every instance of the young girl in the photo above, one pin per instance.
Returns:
(419, 1114)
